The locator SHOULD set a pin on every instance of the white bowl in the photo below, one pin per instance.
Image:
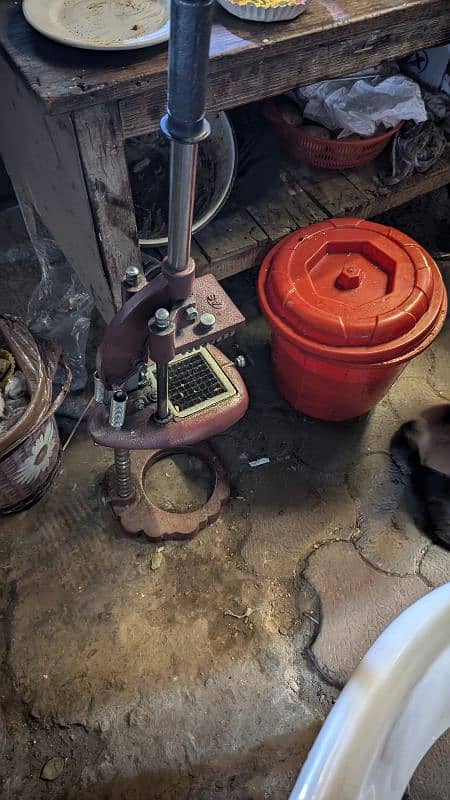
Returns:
(225, 152)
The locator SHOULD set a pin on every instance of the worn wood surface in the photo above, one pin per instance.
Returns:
(248, 60)
(285, 209)
(349, 44)
(102, 154)
(331, 190)
(381, 199)
(239, 239)
(41, 156)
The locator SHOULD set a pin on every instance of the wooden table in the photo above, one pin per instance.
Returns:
(66, 112)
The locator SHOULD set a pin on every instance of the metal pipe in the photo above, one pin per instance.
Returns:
(162, 390)
(117, 408)
(132, 275)
(99, 389)
(122, 463)
(185, 125)
(183, 167)
(190, 31)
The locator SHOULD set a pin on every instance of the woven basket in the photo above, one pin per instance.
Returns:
(327, 153)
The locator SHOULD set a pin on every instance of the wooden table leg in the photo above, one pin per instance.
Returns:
(102, 152)
(41, 155)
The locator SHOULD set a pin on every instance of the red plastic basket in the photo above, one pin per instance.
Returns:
(327, 153)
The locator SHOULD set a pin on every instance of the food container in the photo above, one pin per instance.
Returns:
(350, 303)
(264, 11)
(326, 153)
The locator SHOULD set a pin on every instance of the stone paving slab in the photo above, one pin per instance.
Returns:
(357, 603)
(410, 396)
(396, 547)
(181, 676)
(288, 516)
(377, 487)
(435, 566)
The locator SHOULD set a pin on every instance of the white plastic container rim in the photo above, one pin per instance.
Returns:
(394, 707)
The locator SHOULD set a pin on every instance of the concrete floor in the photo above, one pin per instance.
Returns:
(209, 677)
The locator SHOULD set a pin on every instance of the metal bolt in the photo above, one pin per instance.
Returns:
(191, 313)
(142, 377)
(207, 321)
(162, 318)
(240, 362)
(132, 276)
(140, 403)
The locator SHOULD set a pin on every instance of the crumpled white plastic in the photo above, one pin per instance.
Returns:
(361, 102)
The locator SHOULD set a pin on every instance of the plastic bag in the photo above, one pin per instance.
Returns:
(60, 308)
(14, 400)
(360, 103)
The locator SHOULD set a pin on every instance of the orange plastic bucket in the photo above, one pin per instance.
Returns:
(350, 303)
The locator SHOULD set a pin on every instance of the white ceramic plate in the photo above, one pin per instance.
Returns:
(101, 24)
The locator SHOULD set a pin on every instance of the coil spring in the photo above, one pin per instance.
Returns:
(123, 472)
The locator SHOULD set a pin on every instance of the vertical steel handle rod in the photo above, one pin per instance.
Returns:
(183, 168)
(184, 124)
(162, 392)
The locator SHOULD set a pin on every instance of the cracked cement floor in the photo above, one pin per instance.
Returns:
(209, 677)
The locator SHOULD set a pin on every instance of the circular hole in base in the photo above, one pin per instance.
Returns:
(179, 483)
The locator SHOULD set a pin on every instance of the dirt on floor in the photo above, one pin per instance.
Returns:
(206, 673)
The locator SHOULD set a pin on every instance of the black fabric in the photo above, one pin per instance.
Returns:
(435, 490)
(430, 486)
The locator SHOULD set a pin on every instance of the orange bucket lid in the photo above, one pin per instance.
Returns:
(353, 289)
